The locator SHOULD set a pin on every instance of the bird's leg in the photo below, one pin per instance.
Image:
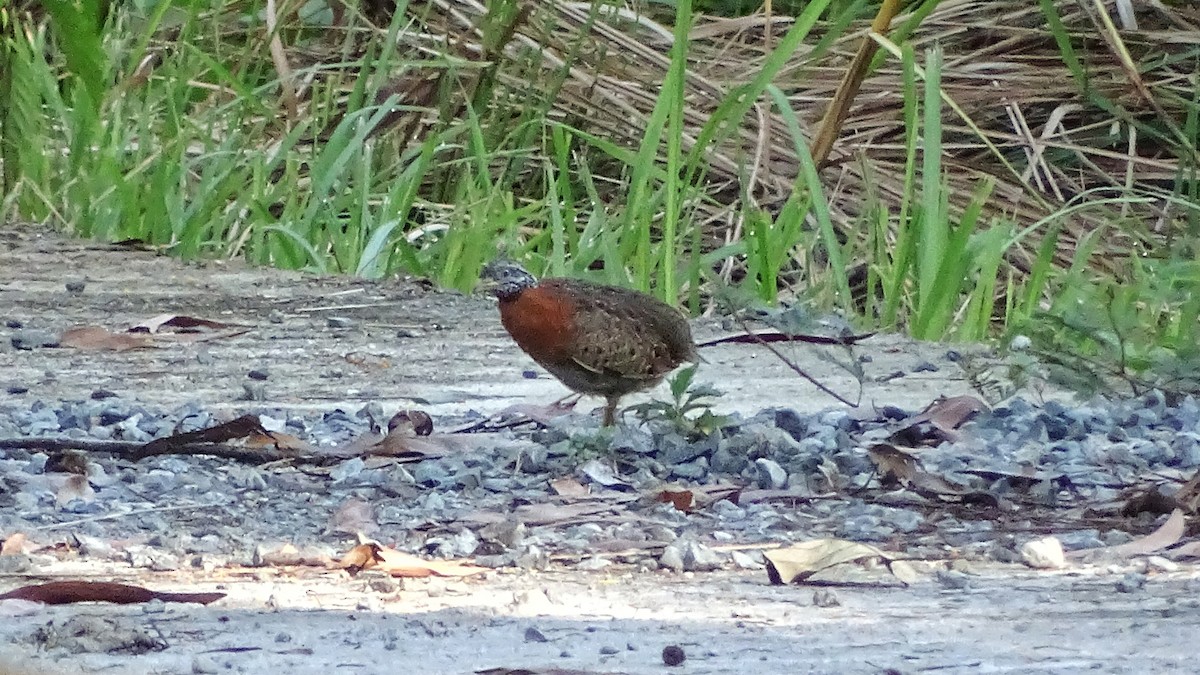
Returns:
(610, 411)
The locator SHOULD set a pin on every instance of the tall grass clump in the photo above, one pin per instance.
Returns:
(936, 167)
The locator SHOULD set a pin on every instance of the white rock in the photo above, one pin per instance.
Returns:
(1044, 554)
(1158, 563)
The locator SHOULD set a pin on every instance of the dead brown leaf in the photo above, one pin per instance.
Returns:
(14, 544)
(799, 562)
(930, 484)
(361, 557)
(1166, 535)
(792, 495)
(416, 448)
(897, 467)
(951, 413)
(945, 415)
(181, 323)
(286, 444)
(1149, 499)
(192, 338)
(682, 499)
(546, 514)
(402, 442)
(691, 499)
(414, 422)
(247, 429)
(398, 564)
(1188, 550)
(65, 592)
(542, 414)
(569, 487)
(1188, 494)
(893, 464)
(99, 338)
(540, 671)
(1023, 481)
(769, 336)
(715, 492)
(368, 361)
(288, 555)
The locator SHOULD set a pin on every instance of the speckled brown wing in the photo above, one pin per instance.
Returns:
(627, 340)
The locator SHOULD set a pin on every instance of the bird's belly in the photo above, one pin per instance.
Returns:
(584, 381)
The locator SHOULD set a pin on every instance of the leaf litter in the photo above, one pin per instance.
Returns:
(596, 494)
(574, 525)
(67, 592)
(374, 556)
(800, 562)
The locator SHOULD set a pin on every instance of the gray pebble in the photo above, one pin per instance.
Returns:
(152, 559)
(634, 440)
(746, 561)
(672, 558)
(37, 463)
(728, 461)
(925, 367)
(824, 597)
(459, 545)
(903, 520)
(347, 469)
(154, 606)
(685, 554)
(952, 580)
(727, 511)
(17, 563)
(770, 476)
(158, 480)
(203, 664)
(694, 470)
(339, 322)
(1131, 583)
(673, 449)
(792, 422)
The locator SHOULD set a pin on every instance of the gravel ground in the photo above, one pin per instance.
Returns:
(586, 568)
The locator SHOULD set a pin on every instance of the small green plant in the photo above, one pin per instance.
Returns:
(690, 407)
(1120, 337)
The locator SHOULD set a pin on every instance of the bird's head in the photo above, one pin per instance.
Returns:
(506, 279)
